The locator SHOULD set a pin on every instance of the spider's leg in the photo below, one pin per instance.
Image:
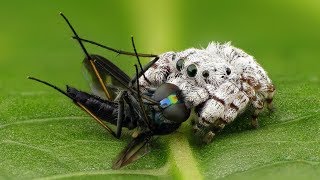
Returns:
(222, 108)
(252, 88)
(259, 93)
(237, 105)
(270, 93)
(209, 121)
(266, 90)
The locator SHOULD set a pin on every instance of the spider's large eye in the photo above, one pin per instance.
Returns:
(180, 64)
(192, 70)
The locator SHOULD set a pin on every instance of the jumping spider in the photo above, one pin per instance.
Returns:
(220, 81)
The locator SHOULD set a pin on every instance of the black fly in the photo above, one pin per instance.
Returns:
(121, 103)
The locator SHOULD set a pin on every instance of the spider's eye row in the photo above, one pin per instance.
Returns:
(205, 73)
(228, 71)
(192, 70)
(180, 64)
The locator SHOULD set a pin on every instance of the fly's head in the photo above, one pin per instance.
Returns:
(171, 103)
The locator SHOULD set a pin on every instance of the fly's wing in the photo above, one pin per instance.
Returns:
(113, 77)
(138, 147)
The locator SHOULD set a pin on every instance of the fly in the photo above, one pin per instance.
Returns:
(156, 111)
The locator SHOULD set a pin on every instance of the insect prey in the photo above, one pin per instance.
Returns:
(121, 102)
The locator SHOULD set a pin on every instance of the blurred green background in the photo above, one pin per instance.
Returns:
(42, 134)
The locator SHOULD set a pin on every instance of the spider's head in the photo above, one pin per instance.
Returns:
(216, 73)
(203, 68)
(192, 64)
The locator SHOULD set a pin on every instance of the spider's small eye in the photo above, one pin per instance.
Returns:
(228, 71)
(180, 64)
(205, 73)
(173, 57)
(192, 70)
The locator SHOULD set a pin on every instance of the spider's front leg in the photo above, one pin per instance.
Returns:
(237, 105)
(209, 120)
(215, 113)
(224, 105)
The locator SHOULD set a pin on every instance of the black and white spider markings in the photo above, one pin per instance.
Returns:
(220, 82)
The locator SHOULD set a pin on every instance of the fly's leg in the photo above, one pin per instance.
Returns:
(122, 99)
(156, 71)
(133, 115)
(143, 69)
(114, 50)
(95, 70)
(97, 119)
(160, 67)
(120, 117)
(129, 100)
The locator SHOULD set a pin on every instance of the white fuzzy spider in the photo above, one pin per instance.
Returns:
(219, 81)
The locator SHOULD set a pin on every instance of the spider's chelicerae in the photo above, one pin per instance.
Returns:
(220, 81)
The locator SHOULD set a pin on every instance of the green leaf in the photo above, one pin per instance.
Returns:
(44, 135)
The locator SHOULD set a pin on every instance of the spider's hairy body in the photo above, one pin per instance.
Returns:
(220, 81)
